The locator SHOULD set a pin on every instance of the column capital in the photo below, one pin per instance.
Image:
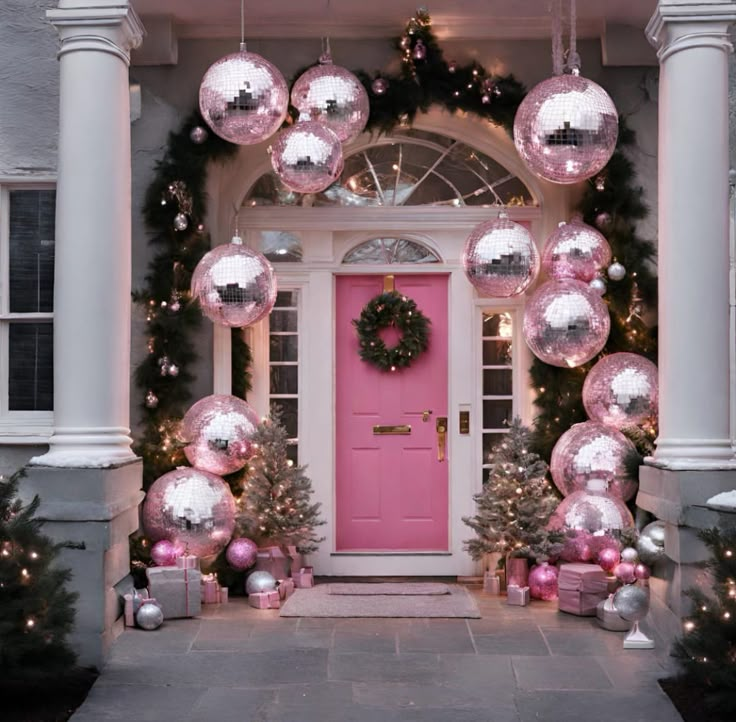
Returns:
(108, 26)
(680, 24)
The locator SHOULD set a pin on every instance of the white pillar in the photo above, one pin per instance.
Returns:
(693, 47)
(93, 235)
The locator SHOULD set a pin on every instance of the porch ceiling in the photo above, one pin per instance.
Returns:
(381, 18)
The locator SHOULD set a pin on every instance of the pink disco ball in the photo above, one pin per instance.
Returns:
(625, 572)
(243, 98)
(543, 582)
(589, 451)
(191, 508)
(500, 258)
(235, 285)
(241, 553)
(164, 553)
(566, 129)
(307, 157)
(608, 558)
(591, 510)
(621, 390)
(334, 96)
(576, 547)
(218, 431)
(575, 250)
(566, 323)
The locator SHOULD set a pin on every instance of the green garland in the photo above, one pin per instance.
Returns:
(387, 309)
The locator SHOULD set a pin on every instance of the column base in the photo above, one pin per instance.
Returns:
(95, 510)
(692, 450)
(678, 497)
(87, 448)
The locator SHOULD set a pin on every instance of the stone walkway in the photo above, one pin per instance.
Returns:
(516, 664)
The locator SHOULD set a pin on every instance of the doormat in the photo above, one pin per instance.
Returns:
(391, 588)
(319, 602)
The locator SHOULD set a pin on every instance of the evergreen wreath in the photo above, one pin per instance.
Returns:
(390, 308)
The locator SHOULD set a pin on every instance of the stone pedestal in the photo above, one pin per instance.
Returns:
(94, 511)
(678, 497)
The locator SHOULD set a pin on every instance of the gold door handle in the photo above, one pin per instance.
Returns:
(441, 427)
(426, 414)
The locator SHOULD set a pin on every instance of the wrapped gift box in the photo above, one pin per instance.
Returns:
(210, 589)
(259, 600)
(187, 561)
(580, 588)
(518, 596)
(286, 588)
(274, 601)
(491, 583)
(176, 590)
(272, 560)
(304, 578)
(296, 560)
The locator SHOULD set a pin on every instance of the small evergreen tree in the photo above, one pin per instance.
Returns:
(36, 610)
(706, 652)
(516, 501)
(276, 502)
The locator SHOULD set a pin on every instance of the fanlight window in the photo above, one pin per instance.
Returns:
(383, 251)
(410, 168)
(281, 246)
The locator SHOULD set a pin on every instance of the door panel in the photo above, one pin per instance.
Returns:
(391, 491)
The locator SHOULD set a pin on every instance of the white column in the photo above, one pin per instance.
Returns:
(693, 47)
(92, 302)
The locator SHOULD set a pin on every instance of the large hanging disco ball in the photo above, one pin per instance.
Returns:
(191, 508)
(235, 285)
(566, 129)
(575, 250)
(592, 451)
(566, 323)
(621, 390)
(500, 258)
(592, 510)
(218, 431)
(333, 96)
(307, 157)
(243, 98)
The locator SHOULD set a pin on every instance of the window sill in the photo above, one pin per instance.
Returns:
(24, 433)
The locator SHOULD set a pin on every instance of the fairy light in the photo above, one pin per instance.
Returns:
(689, 626)
(34, 555)
(30, 622)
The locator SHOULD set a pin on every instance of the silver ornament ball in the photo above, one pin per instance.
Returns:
(379, 86)
(616, 271)
(598, 285)
(198, 135)
(260, 582)
(181, 222)
(149, 616)
(650, 544)
(629, 554)
(632, 602)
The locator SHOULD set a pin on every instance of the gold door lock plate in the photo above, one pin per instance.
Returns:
(441, 427)
(464, 422)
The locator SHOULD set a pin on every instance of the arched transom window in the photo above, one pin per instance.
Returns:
(409, 168)
(384, 251)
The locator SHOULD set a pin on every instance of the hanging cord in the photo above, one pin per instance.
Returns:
(326, 56)
(555, 7)
(242, 26)
(573, 59)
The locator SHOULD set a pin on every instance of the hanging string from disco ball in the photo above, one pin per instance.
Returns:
(621, 390)
(307, 157)
(500, 258)
(333, 96)
(234, 284)
(566, 127)
(575, 250)
(243, 97)
(566, 323)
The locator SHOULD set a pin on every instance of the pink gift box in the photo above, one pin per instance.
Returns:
(224, 595)
(187, 561)
(581, 587)
(209, 591)
(286, 588)
(304, 578)
(518, 596)
(274, 602)
(491, 583)
(296, 561)
(259, 600)
(272, 560)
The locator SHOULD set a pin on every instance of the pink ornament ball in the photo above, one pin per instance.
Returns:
(307, 157)
(621, 390)
(608, 559)
(241, 553)
(218, 432)
(243, 98)
(566, 323)
(500, 258)
(576, 547)
(591, 451)
(575, 250)
(543, 582)
(642, 571)
(566, 128)
(164, 553)
(235, 285)
(625, 572)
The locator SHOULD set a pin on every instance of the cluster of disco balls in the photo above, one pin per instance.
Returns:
(244, 99)
(192, 509)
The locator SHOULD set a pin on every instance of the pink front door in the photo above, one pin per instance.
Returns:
(391, 491)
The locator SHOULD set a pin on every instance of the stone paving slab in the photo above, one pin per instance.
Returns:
(553, 673)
